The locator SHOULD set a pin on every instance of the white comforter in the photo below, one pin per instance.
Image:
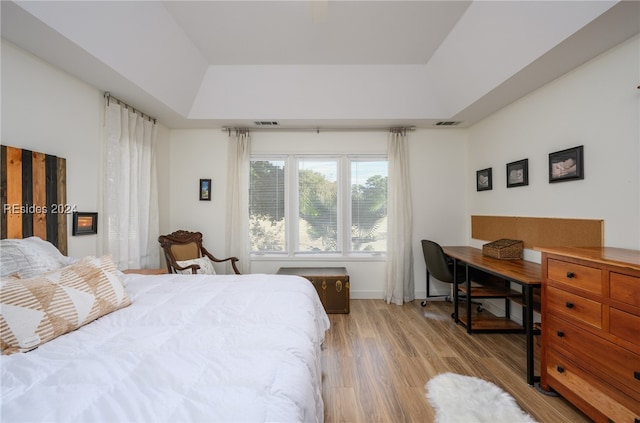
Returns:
(190, 348)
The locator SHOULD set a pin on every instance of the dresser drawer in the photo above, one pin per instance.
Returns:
(624, 288)
(599, 397)
(577, 308)
(625, 325)
(600, 356)
(575, 275)
(591, 330)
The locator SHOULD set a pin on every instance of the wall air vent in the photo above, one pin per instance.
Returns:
(448, 123)
(266, 123)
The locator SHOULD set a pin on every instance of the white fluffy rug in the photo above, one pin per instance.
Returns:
(465, 399)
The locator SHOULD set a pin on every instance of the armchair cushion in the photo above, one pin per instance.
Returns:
(184, 252)
(206, 266)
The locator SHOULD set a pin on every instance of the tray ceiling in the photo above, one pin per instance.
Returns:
(318, 63)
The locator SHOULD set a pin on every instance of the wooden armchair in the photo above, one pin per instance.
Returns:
(184, 245)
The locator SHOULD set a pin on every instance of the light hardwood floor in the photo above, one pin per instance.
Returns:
(378, 358)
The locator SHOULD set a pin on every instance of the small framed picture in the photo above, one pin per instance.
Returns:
(205, 189)
(483, 180)
(566, 165)
(84, 223)
(518, 173)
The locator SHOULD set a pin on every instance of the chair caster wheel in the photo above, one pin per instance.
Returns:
(423, 303)
(479, 308)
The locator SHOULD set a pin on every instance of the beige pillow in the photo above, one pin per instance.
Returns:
(37, 310)
(206, 266)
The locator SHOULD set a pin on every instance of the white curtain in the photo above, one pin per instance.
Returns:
(130, 195)
(237, 233)
(400, 284)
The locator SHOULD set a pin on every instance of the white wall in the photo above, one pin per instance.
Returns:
(47, 110)
(596, 105)
(199, 154)
(437, 175)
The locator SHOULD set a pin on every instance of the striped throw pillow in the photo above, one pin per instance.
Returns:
(36, 310)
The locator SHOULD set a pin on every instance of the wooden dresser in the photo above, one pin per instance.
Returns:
(591, 330)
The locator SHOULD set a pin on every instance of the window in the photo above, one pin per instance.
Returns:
(317, 205)
(369, 205)
(339, 205)
(266, 206)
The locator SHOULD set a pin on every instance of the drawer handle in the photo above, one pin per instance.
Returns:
(636, 375)
(560, 334)
(560, 369)
(571, 275)
(569, 305)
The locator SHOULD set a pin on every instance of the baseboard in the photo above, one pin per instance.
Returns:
(366, 295)
(379, 295)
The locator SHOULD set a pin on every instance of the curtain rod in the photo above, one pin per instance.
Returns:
(109, 97)
(228, 129)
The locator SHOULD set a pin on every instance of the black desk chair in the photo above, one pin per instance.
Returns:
(441, 267)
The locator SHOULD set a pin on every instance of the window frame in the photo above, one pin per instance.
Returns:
(344, 209)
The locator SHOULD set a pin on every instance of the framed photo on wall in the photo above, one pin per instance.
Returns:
(518, 173)
(483, 180)
(84, 223)
(566, 165)
(205, 189)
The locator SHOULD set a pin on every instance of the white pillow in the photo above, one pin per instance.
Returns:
(30, 257)
(206, 266)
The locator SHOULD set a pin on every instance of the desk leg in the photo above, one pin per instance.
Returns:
(455, 291)
(507, 301)
(528, 328)
(467, 280)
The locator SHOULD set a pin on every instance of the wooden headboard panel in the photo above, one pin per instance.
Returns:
(540, 231)
(33, 193)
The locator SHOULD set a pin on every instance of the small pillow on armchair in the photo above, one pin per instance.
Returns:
(206, 266)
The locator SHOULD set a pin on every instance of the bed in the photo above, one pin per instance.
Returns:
(175, 348)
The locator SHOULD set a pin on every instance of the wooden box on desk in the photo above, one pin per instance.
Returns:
(331, 283)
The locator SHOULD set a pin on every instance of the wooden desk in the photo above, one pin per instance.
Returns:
(525, 273)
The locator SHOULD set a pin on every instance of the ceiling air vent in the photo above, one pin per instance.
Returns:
(266, 123)
(448, 123)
